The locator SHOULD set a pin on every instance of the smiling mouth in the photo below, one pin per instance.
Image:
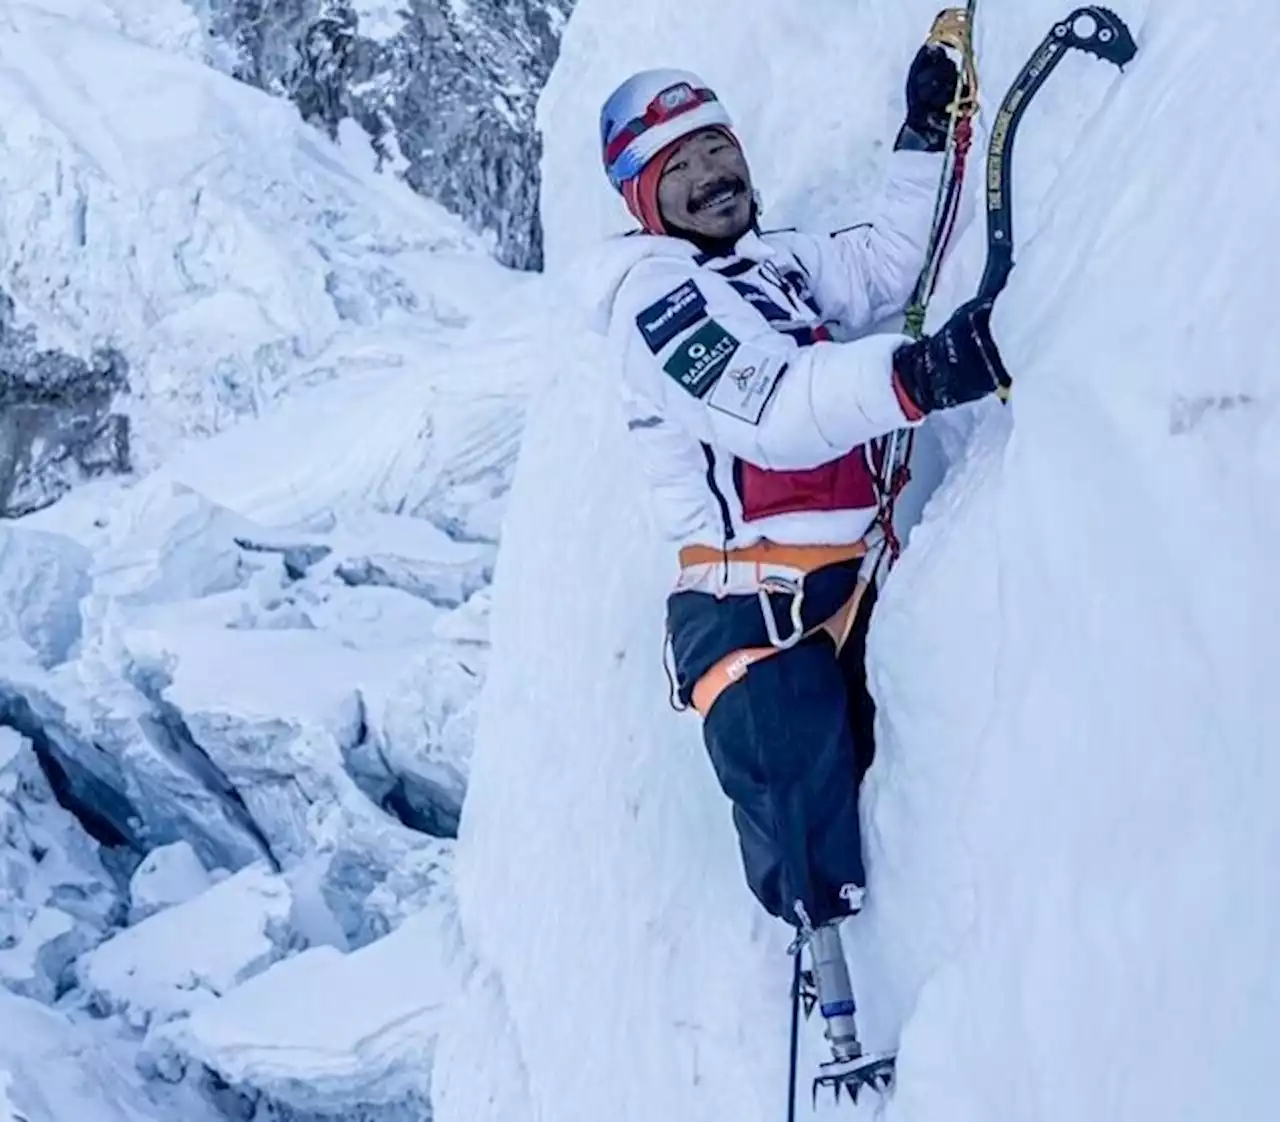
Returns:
(720, 197)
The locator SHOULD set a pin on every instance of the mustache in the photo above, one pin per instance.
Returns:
(733, 183)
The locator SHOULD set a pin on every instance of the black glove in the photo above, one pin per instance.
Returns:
(958, 364)
(931, 88)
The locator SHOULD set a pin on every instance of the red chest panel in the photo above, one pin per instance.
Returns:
(843, 484)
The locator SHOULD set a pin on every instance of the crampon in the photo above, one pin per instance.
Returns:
(873, 1071)
(852, 1075)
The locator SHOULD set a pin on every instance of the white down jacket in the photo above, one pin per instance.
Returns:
(732, 395)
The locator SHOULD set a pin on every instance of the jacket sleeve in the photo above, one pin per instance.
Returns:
(700, 357)
(868, 272)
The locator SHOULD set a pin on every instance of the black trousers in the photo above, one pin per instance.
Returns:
(790, 745)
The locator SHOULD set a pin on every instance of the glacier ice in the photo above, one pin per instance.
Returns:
(238, 686)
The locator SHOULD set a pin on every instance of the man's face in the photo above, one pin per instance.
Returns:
(706, 187)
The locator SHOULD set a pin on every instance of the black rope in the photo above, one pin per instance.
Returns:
(795, 1038)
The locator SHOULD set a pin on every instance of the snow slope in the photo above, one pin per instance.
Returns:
(1071, 821)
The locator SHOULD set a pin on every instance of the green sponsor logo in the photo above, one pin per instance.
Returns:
(699, 359)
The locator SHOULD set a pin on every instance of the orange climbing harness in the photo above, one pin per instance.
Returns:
(762, 564)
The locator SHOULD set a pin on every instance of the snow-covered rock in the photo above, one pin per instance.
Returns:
(249, 711)
(443, 581)
(442, 93)
(169, 875)
(225, 655)
(239, 782)
(1075, 706)
(56, 423)
(279, 716)
(7, 1109)
(176, 960)
(477, 1036)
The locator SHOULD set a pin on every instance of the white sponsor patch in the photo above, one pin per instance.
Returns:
(745, 388)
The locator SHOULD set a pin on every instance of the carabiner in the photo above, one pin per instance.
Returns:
(796, 591)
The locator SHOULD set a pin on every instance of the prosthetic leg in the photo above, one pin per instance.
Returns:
(829, 989)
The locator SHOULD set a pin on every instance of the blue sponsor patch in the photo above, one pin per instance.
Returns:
(676, 312)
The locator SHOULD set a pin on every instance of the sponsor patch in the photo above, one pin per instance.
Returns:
(676, 312)
(701, 358)
(745, 388)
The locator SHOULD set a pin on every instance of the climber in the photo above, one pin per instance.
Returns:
(752, 424)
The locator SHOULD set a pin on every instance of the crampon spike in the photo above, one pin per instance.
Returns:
(853, 1076)
(808, 993)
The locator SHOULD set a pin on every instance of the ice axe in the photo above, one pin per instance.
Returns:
(1095, 30)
